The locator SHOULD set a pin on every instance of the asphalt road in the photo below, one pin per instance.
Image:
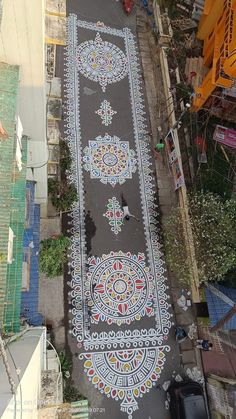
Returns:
(118, 287)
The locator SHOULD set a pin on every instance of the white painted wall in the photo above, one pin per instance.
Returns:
(22, 43)
(29, 354)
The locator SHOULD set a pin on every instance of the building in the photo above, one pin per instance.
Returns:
(33, 380)
(221, 396)
(219, 363)
(22, 44)
(30, 270)
(217, 30)
(13, 149)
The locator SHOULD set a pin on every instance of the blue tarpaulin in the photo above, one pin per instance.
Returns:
(145, 5)
(30, 296)
(220, 300)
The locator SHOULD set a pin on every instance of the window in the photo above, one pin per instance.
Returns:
(10, 246)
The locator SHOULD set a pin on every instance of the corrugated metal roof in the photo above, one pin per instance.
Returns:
(220, 301)
(17, 223)
(29, 298)
(9, 78)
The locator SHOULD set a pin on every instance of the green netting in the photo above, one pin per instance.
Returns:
(9, 78)
(14, 270)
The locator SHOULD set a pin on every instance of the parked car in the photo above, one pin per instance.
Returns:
(128, 6)
(187, 400)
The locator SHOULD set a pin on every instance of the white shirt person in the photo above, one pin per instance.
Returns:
(127, 214)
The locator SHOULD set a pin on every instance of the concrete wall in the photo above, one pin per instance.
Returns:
(29, 356)
(22, 43)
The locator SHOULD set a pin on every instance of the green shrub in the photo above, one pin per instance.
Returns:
(63, 195)
(71, 394)
(213, 224)
(66, 365)
(52, 255)
(65, 157)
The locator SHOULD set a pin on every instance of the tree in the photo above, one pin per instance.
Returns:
(213, 224)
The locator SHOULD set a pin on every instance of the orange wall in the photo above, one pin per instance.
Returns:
(217, 28)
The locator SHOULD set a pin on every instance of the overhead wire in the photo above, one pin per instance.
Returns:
(19, 381)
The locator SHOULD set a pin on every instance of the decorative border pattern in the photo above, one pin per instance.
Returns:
(100, 26)
(147, 186)
(77, 250)
(127, 339)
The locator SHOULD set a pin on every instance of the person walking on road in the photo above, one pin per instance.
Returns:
(204, 344)
(159, 146)
(158, 149)
(180, 334)
(125, 209)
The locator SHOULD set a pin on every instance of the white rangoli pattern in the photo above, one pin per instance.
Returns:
(115, 215)
(125, 375)
(106, 113)
(124, 364)
(109, 159)
(101, 61)
(119, 288)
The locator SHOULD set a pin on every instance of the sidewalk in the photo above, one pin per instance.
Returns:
(190, 356)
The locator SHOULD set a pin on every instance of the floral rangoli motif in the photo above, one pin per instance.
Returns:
(114, 214)
(106, 112)
(120, 288)
(125, 375)
(101, 61)
(109, 159)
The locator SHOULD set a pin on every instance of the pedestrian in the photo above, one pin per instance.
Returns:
(204, 344)
(159, 146)
(180, 334)
(125, 209)
(127, 214)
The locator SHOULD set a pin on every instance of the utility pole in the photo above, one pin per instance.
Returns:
(7, 366)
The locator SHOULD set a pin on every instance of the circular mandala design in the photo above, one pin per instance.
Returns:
(110, 159)
(121, 288)
(101, 61)
(125, 375)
